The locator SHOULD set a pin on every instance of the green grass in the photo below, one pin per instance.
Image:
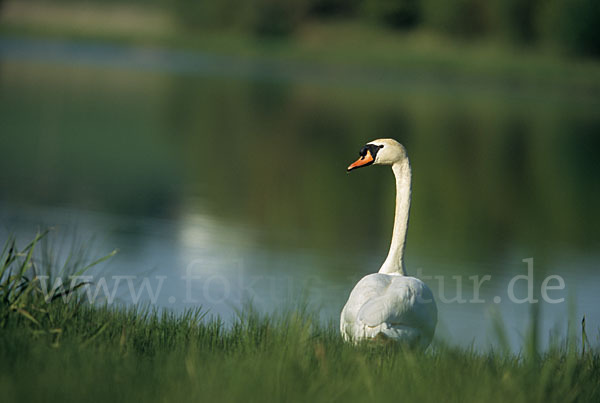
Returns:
(71, 351)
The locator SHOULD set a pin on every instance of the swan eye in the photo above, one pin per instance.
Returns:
(372, 148)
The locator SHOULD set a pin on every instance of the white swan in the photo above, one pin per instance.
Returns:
(389, 304)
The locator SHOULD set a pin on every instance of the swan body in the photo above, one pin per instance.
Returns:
(389, 304)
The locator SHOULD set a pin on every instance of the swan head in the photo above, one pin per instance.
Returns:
(379, 152)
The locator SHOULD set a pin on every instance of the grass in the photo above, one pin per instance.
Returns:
(72, 351)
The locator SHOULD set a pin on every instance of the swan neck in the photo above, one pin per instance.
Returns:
(394, 263)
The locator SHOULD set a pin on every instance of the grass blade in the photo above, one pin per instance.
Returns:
(96, 262)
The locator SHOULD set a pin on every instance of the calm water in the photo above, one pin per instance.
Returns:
(222, 181)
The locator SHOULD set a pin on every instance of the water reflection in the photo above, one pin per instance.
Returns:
(242, 177)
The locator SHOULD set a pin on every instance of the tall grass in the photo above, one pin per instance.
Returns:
(23, 294)
(108, 354)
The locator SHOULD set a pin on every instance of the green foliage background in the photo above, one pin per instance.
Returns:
(571, 26)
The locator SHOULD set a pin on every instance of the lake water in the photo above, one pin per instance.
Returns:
(223, 181)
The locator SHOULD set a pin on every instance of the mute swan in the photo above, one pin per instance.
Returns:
(389, 304)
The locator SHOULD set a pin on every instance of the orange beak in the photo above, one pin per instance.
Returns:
(361, 162)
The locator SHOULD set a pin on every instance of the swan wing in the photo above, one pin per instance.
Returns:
(370, 286)
(398, 307)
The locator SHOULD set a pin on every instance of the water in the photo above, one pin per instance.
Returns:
(223, 180)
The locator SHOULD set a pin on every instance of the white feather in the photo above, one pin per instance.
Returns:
(399, 307)
(390, 304)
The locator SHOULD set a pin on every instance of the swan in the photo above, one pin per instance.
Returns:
(389, 304)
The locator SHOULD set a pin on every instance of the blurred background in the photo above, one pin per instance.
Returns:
(211, 137)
